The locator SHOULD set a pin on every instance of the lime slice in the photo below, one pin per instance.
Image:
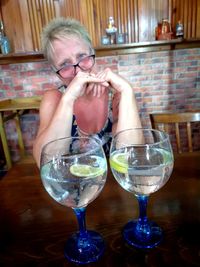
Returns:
(82, 170)
(119, 162)
(167, 157)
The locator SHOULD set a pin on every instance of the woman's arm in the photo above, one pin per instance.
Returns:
(55, 116)
(128, 116)
(125, 110)
(56, 111)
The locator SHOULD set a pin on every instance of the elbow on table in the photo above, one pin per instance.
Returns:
(36, 152)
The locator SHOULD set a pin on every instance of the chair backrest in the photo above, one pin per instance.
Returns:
(182, 125)
(13, 109)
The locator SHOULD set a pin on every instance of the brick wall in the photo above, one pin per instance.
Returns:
(163, 81)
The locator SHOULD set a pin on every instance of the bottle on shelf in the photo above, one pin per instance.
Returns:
(158, 30)
(111, 30)
(4, 41)
(163, 30)
(179, 29)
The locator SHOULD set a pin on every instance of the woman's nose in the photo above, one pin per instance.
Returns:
(77, 69)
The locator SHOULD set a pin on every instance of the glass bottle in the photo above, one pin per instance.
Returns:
(165, 26)
(110, 22)
(4, 41)
(179, 29)
(111, 30)
(5, 46)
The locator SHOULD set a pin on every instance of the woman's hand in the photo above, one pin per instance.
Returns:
(96, 89)
(84, 83)
(118, 83)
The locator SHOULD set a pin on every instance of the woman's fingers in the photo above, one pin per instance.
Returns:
(100, 90)
(87, 83)
(89, 88)
(96, 89)
(116, 81)
(91, 77)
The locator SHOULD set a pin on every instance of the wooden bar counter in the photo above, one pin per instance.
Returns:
(34, 228)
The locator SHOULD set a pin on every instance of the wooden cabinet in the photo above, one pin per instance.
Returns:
(24, 19)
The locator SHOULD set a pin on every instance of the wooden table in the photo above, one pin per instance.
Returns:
(34, 228)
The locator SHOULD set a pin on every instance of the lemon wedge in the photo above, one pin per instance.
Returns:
(119, 162)
(82, 170)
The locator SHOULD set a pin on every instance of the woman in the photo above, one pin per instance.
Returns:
(93, 102)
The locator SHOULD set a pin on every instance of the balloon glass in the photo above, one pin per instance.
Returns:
(74, 171)
(141, 161)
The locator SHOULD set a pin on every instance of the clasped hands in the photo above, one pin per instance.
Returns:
(96, 83)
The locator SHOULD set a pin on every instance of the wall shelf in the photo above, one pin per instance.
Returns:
(147, 47)
(110, 50)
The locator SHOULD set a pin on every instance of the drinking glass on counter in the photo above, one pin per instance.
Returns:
(74, 171)
(141, 161)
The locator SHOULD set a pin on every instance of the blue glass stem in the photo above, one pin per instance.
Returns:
(143, 227)
(83, 239)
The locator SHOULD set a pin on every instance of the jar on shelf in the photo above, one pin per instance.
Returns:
(164, 31)
(158, 30)
(120, 38)
(165, 28)
(105, 40)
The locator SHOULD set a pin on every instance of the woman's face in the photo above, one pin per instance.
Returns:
(69, 51)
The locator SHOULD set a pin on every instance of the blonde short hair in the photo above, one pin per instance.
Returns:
(62, 28)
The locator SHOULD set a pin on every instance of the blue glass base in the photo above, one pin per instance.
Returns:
(85, 250)
(142, 239)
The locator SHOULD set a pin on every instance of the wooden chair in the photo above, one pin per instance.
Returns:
(183, 125)
(13, 109)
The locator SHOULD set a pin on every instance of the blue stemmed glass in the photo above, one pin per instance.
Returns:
(141, 161)
(73, 171)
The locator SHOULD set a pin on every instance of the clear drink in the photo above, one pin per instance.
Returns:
(73, 171)
(138, 176)
(75, 182)
(141, 161)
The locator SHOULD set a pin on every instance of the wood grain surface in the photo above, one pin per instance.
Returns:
(34, 228)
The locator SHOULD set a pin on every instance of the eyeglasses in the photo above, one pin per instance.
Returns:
(84, 64)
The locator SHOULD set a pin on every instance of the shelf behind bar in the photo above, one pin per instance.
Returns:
(110, 50)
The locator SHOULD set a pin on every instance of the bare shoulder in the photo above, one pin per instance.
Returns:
(49, 103)
(51, 97)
